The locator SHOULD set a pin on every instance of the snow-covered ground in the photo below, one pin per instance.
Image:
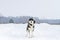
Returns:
(42, 31)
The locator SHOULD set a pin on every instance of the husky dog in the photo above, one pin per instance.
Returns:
(30, 27)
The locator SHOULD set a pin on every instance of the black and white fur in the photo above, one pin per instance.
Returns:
(30, 27)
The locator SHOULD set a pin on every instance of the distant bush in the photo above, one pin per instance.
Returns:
(11, 21)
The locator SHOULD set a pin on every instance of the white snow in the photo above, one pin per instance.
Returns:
(42, 31)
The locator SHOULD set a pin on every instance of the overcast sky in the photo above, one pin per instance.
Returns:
(39, 8)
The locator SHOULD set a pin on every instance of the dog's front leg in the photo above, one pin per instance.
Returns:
(30, 34)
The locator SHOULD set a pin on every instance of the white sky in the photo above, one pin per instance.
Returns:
(39, 8)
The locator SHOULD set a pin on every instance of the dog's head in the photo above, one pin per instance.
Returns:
(31, 21)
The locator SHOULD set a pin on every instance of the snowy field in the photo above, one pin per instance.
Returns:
(42, 31)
